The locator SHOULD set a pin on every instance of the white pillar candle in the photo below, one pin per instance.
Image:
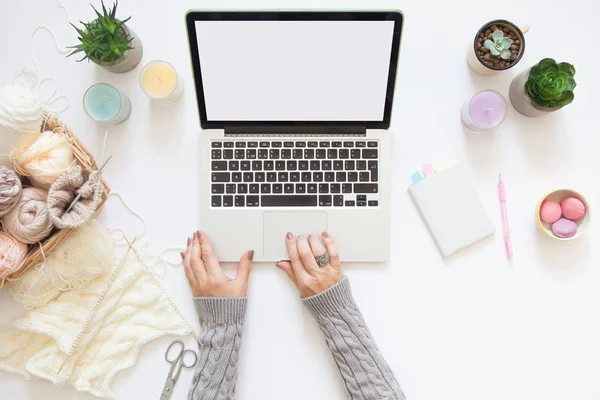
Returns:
(160, 82)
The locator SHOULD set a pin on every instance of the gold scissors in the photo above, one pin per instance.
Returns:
(176, 364)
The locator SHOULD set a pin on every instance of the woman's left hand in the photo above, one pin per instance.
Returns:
(204, 273)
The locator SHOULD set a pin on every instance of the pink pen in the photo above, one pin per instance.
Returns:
(504, 213)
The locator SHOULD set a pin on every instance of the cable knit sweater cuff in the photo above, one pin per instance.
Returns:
(221, 310)
(331, 300)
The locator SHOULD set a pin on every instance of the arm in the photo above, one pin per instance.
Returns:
(315, 268)
(222, 320)
(365, 373)
(221, 305)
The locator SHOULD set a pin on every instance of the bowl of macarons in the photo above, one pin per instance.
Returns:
(563, 214)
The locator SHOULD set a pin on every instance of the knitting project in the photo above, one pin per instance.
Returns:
(82, 257)
(63, 192)
(84, 338)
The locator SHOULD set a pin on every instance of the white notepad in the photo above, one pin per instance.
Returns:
(452, 210)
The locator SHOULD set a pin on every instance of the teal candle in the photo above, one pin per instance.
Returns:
(104, 103)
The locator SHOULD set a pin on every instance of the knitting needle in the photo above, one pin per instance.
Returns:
(104, 147)
(93, 174)
(130, 247)
(101, 162)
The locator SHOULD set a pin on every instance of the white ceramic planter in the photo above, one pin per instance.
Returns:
(521, 100)
(477, 66)
(132, 57)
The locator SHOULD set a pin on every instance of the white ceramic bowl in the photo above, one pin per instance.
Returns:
(558, 195)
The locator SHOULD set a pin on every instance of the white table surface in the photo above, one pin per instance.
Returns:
(470, 327)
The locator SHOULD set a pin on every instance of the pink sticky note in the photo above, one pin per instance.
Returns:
(428, 170)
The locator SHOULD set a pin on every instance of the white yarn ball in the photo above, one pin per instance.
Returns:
(21, 110)
(45, 160)
(21, 116)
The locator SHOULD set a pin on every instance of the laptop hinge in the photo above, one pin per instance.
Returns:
(295, 130)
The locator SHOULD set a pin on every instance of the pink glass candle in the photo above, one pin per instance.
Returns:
(485, 111)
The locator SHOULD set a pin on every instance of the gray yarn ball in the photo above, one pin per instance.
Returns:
(29, 222)
(10, 190)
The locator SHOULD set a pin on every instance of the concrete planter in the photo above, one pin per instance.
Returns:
(131, 59)
(521, 100)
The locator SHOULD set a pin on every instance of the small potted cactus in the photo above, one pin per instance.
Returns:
(544, 88)
(108, 42)
(498, 46)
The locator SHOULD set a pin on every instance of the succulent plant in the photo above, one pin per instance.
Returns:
(499, 46)
(550, 84)
(104, 39)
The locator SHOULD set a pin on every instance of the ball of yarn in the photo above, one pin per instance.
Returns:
(45, 160)
(12, 256)
(21, 109)
(29, 221)
(21, 116)
(66, 188)
(86, 254)
(10, 190)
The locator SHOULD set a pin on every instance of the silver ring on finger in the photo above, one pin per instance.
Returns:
(322, 260)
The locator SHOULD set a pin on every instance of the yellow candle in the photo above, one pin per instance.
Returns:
(160, 81)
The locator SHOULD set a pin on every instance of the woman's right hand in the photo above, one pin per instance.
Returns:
(302, 267)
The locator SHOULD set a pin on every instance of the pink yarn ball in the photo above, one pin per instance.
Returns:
(12, 256)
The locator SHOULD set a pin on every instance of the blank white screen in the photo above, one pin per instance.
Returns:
(294, 70)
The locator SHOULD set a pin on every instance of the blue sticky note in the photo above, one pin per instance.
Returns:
(416, 177)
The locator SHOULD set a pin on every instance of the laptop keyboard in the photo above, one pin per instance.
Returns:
(298, 173)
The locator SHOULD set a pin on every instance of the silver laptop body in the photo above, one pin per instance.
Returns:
(295, 108)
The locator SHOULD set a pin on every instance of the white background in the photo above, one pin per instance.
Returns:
(471, 327)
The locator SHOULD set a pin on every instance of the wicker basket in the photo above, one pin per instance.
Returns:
(83, 158)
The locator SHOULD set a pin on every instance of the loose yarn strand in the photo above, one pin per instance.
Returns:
(116, 232)
(53, 99)
(161, 263)
(34, 74)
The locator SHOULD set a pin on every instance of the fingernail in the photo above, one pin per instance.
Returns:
(325, 234)
(251, 255)
(198, 233)
(182, 255)
(189, 241)
(289, 235)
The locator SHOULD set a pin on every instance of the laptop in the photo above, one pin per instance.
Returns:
(295, 108)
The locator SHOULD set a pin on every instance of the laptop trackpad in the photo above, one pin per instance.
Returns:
(278, 224)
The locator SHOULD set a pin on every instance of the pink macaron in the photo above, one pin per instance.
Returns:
(564, 228)
(550, 211)
(572, 208)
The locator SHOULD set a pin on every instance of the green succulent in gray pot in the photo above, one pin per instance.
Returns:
(108, 41)
(546, 87)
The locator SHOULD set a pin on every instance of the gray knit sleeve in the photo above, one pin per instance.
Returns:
(222, 320)
(365, 373)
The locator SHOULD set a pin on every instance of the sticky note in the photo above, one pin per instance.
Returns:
(439, 166)
(416, 177)
(428, 170)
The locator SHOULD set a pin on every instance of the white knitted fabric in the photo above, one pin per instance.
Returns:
(84, 337)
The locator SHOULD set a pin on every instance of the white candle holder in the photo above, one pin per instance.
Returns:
(104, 103)
(485, 111)
(164, 89)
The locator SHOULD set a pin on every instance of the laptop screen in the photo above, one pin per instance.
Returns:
(294, 70)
